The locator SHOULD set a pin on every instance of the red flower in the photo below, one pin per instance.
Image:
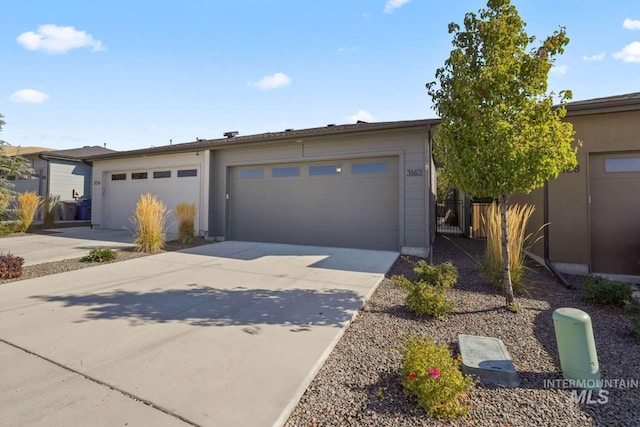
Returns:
(435, 373)
(412, 376)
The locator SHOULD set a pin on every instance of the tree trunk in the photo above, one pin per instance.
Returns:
(506, 270)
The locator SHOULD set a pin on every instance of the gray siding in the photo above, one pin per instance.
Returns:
(66, 176)
(408, 145)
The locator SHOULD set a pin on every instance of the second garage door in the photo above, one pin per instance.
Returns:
(350, 203)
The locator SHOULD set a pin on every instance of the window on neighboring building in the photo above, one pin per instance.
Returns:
(162, 174)
(187, 172)
(118, 176)
(622, 164)
(285, 172)
(139, 175)
(318, 170)
(251, 173)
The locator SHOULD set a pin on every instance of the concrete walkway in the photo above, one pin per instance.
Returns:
(63, 243)
(228, 334)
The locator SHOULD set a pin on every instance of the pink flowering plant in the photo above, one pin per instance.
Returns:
(433, 377)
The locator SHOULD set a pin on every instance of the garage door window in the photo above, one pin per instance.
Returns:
(183, 173)
(139, 175)
(285, 172)
(319, 170)
(624, 164)
(251, 174)
(366, 168)
(118, 176)
(162, 174)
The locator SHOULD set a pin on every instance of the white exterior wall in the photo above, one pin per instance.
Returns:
(195, 158)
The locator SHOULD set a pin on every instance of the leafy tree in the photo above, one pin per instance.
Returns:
(9, 166)
(500, 132)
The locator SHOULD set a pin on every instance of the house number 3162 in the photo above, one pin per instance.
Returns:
(415, 172)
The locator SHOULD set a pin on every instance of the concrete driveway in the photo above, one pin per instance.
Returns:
(64, 243)
(227, 334)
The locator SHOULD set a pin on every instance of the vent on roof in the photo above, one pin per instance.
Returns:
(288, 130)
(361, 121)
(231, 134)
(331, 125)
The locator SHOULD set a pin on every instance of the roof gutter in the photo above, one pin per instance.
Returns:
(547, 261)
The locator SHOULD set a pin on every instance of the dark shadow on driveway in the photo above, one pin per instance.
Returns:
(206, 306)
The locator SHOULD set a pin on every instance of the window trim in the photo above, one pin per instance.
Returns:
(386, 164)
(120, 176)
(187, 173)
(240, 171)
(633, 167)
(284, 168)
(161, 174)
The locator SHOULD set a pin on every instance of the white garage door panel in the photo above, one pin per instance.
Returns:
(121, 196)
(359, 210)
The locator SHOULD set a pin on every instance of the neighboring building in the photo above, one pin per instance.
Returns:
(365, 185)
(57, 172)
(594, 210)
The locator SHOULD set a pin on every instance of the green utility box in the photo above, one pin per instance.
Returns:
(577, 348)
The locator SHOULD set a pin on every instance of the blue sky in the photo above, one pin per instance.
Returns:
(138, 73)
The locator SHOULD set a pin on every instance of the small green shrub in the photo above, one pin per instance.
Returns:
(10, 266)
(424, 298)
(8, 227)
(633, 311)
(605, 291)
(100, 255)
(441, 275)
(433, 376)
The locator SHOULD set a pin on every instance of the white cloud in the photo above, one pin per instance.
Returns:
(559, 69)
(631, 24)
(54, 39)
(629, 53)
(347, 49)
(394, 4)
(596, 57)
(28, 96)
(273, 81)
(363, 115)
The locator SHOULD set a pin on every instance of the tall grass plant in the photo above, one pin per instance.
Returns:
(149, 218)
(28, 204)
(517, 219)
(186, 216)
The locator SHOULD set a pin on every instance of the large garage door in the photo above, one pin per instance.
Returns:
(615, 208)
(350, 203)
(123, 189)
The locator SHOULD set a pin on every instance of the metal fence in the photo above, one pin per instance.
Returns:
(461, 217)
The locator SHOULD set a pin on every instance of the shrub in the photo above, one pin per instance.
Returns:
(633, 311)
(8, 227)
(51, 208)
(149, 218)
(186, 216)
(6, 196)
(441, 275)
(517, 219)
(100, 255)
(605, 291)
(424, 298)
(433, 376)
(10, 266)
(28, 204)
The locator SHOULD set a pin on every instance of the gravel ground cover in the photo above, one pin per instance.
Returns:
(359, 385)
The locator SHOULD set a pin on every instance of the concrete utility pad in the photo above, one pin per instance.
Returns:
(227, 334)
(64, 243)
(488, 359)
